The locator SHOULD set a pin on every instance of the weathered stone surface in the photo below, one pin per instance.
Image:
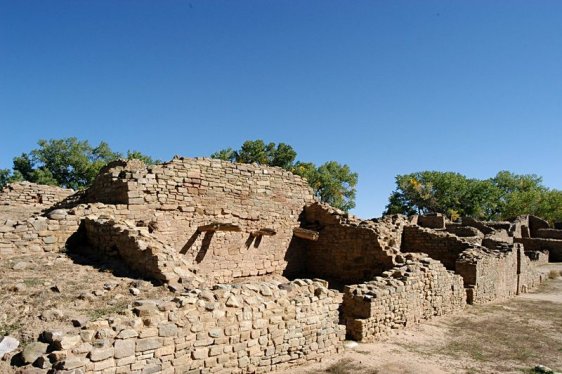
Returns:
(33, 351)
(124, 348)
(8, 344)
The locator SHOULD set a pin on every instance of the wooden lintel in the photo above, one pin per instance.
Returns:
(299, 232)
(219, 227)
(264, 232)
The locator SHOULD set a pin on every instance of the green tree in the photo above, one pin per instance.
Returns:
(227, 154)
(4, 177)
(504, 196)
(136, 155)
(336, 185)
(68, 162)
(331, 182)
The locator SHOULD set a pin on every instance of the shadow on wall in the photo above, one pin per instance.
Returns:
(206, 243)
(81, 252)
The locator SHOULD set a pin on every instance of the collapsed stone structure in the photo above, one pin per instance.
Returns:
(261, 275)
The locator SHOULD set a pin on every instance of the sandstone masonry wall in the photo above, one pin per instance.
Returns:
(418, 290)
(250, 328)
(147, 256)
(489, 275)
(350, 250)
(51, 232)
(553, 246)
(439, 245)
(180, 196)
(28, 193)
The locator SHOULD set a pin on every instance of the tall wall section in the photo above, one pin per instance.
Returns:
(180, 196)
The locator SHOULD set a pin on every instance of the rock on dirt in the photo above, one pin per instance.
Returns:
(7, 345)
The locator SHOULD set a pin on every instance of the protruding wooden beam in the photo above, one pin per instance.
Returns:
(219, 227)
(264, 232)
(299, 232)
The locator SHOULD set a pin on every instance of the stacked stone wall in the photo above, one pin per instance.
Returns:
(419, 290)
(431, 221)
(27, 193)
(250, 328)
(185, 194)
(549, 234)
(51, 232)
(439, 245)
(145, 255)
(553, 246)
(489, 275)
(349, 250)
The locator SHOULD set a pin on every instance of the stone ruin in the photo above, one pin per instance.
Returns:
(261, 275)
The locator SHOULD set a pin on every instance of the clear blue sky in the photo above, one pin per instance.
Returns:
(388, 87)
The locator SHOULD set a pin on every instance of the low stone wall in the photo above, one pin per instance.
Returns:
(27, 193)
(418, 290)
(553, 246)
(349, 250)
(439, 245)
(250, 328)
(37, 234)
(51, 232)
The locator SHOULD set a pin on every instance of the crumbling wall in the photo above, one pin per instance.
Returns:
(349, 250)
(418, 290)
(51, 232)
(27, 193)
(246, 328)
(37, 234)
(439, 245)
(144, 254)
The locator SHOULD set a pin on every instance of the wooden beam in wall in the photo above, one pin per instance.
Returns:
(299, 232)
(219, 227)
(264, 232)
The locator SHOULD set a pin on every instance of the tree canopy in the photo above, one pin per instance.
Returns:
(331, 182)
(503, 196)
(68, 162)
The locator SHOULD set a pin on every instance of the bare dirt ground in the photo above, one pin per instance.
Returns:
(48, 291)
(505, 337)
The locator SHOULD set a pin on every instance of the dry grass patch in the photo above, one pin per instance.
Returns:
(530, 334)
(348, 366)
(553, 274)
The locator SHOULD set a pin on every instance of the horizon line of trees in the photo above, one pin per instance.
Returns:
(74, 163)
(504, 196)
(68, 163)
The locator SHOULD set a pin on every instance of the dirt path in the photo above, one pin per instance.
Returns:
(505, 337)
